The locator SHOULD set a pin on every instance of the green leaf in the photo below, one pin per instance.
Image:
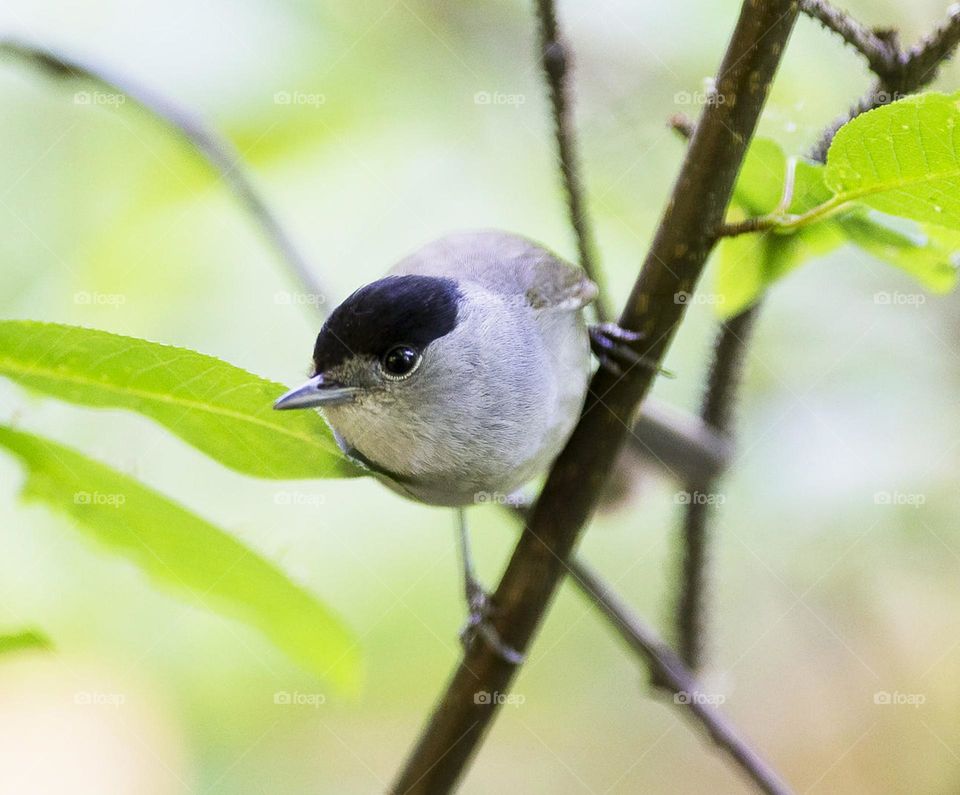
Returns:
(25, 639)
(220, 409)
(759, 185)
(928, 258)
(902, 159)
(748, 264)
(180, 550)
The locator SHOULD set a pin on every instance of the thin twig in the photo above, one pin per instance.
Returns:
(921, 67)
(924, 59)
(881, 56)
(716, 412)
(668, 671)
(555, 63)
(673, 265)
(219, 153)
(682, 125)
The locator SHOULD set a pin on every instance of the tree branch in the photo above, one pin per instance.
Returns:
(880, 53)
(673, 264)
(215, 149)
(555, 63)
(668, 671)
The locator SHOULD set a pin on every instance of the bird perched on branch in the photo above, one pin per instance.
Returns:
(458, 377)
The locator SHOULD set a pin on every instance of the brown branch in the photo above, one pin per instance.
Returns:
(881, 54)
(555, 63)
(668, 671)
(673, 265)
(219, 153)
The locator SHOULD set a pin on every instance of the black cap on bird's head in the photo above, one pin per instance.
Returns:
(391, 320)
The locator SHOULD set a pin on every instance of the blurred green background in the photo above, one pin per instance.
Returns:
(824, 595)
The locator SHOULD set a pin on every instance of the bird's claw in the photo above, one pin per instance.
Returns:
(611, 345)
(480, 610)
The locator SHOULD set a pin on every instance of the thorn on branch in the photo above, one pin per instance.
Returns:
(880, 50)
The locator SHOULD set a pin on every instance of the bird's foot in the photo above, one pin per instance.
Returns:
(611, 345)
(479, 625)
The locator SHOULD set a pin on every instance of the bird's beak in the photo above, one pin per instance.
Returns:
(316, 393)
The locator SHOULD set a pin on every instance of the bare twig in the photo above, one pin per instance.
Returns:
(881, 55)
(673, 265)
(924, 59)
(681, 443)
(716, 412)
(682, 125)
(668, 671)
(555, 63)
(216, 150)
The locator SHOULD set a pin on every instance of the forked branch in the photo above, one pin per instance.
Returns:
(672, 266)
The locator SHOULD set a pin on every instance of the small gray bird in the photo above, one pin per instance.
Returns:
(458, 377)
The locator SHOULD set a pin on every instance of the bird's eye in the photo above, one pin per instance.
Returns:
(400, 361)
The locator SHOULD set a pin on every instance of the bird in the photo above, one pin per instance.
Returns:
(458, 377)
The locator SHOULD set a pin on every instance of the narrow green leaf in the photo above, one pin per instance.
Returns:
(902, 159)
(220, 409)
(25, 639)
(180, 550)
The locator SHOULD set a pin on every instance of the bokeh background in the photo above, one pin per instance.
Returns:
(836, 555)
